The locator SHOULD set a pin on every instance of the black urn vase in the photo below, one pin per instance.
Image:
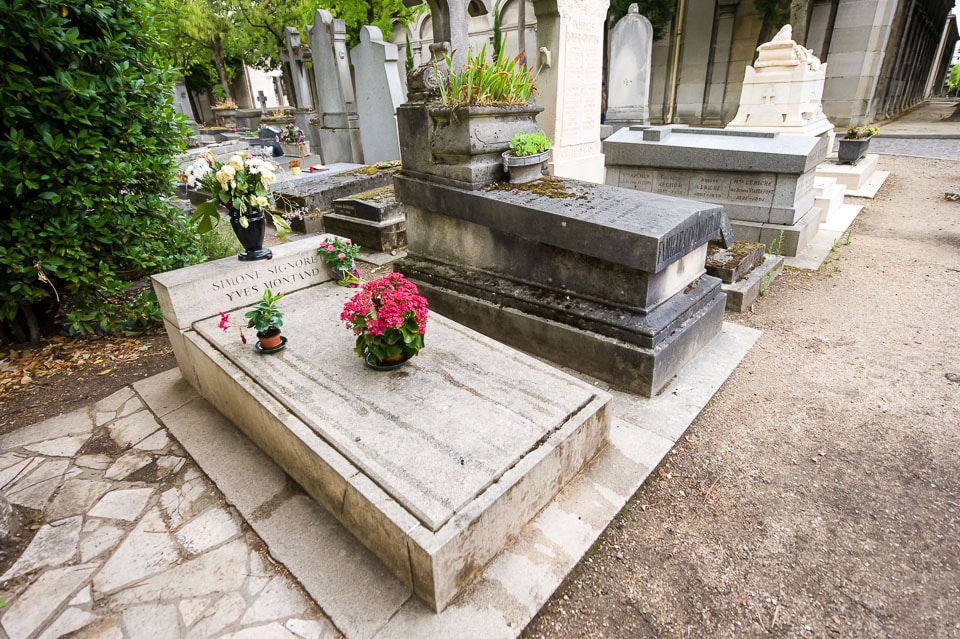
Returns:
(251, 235)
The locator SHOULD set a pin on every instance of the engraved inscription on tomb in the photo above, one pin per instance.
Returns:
(753, 189)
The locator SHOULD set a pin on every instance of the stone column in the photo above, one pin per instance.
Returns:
(717, 79)
(570, 38)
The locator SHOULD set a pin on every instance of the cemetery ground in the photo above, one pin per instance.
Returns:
(818, 494)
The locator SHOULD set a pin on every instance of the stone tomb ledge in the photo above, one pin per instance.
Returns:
(433, 467)
(607, 280)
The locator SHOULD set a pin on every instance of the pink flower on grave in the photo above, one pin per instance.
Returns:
(341, 256)
(225, 324)
(388, 316)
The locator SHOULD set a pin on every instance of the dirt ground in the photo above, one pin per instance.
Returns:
(817, 495)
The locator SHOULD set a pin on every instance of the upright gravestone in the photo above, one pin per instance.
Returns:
(294, 55)
(378, 95)
(569, 84)
(337, 106)
(628, 91)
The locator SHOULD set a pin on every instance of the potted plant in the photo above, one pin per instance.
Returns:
(293, 141)
(339, 255)
(294, 167)
(241, 186)
(527, 157)
(469, 116)
(389, 318)
(266, 318)
(855, 143)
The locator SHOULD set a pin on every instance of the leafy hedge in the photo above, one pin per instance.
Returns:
(86, 151)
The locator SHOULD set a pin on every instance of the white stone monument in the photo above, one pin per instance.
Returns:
(783, 91)
(628, 89)
(570, 38)
(378, 95)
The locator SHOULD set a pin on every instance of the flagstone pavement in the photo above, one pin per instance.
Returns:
(135, 541)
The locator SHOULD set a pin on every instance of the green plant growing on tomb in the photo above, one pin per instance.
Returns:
(776, 245)
(861, 133)
(526, 144)
(483, 82)
(497, 31)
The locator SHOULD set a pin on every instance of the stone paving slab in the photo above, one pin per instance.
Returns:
(158, 556)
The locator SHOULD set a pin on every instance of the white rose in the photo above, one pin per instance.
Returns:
(236, 162)
(267, 177)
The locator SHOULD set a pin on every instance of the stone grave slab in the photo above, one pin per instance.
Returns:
(732, 264)
(433, 467)
(607, 280)
(373, 219)
(308, 198)
(764, 180)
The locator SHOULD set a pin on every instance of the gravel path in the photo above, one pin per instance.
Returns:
(818, 495)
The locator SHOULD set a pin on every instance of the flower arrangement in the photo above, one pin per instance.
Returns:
(526, 144)
(339, 254)
(240, 185)
(861, 132)
(389, 318)
(292, 134)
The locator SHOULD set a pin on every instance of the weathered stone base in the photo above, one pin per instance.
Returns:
(433, 467)
(795, 236)
(743, 293)
(377, 236)
(829, 196)
(635, 352)
(853, 176)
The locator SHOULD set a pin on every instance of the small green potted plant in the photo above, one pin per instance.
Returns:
(294, 142)
(527, 157)
(267, 318)
(339, 255)
(855, 143)
(389, 318)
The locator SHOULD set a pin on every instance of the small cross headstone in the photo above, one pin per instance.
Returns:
(262, 99)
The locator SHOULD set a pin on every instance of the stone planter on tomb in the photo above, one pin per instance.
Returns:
(852, 151)
(526, 168)
(464, 146)
(300, 150)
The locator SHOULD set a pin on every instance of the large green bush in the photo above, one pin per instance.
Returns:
(86, 152)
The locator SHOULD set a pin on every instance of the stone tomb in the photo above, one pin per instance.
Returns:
(373, 219)
(433, 467)
(763, 180)
(307, 199)
(604, 280)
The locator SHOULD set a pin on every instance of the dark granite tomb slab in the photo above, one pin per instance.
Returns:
(373, 219)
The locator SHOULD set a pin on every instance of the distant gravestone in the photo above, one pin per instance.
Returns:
(336, 104)
(628, 90)
(378, 95)
(294, 55)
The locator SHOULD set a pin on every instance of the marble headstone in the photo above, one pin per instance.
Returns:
(378, 95)
(628, 90)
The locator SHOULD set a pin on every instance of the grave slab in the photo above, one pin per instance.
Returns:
(743, 293)
(373, 219)
(431, 467)
(604, 279)
(760, 178)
